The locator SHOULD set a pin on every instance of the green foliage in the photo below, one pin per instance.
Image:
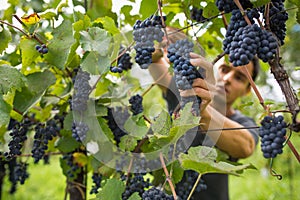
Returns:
(42, 85)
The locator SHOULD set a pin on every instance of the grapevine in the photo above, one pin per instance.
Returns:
(71, 87)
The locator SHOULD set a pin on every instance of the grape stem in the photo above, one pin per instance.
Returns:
(293, 149)
(224, 20)
(159, 4)
(167, 175)
(194, 187)
(238, 4)
(253, 85)
(272, 171)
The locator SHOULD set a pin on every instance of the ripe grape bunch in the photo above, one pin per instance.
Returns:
(277, 19)
(43, 134)
(123, 62)
(185, 72)
(272, 133)
(41, 48)
(79, 131)
(136, 105)
(18, 136)
(116, 118)
(144, 34)
(155, 193)
(97, 178)
(197, 14)
(228, 5)
(82, 89)
(244, 41)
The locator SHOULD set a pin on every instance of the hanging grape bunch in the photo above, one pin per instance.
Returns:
(144, 34)
(123, 62)
(228, 5)
(136, 105)
(272, 133)
(197, 14)
(184, 71)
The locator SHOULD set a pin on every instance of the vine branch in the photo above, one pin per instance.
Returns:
(167, 175)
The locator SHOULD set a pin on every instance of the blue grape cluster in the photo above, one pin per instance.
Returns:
(79, 131)
(20, 172)
(228, 5)
(144, 34)
(277, 19)
(17, 173)
(135, 183)
(73, 167)
(82, 89)
(197, 14)
(41, 48)
(272, 133)
(244, 41)
(136, 104)
(43, 134)
(184, 187)
(244, 45)
(18, 133)
(116, 118)
(123, 63)
(185, 72)
(268, 46)
(155, 193)
(97, 178)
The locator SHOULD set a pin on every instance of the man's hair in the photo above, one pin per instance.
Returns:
(256, 67)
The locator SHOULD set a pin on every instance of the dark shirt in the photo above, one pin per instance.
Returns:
(217, 184)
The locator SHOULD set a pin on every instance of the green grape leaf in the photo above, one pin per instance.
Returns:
(147, 8)
(136, 127)
(66, 144)
(5, 109)
(29, 53)
(95, 39)
(108, 24)
(117, 186)
(37, 84)
(258, 3)
(204, 160)
(162, 124)
(128, 143)
(5, 36)
(173, 7)
(135, 196)
(48, 14)
(61, 48)
(10, 78)
(210, 10)
(95, 64)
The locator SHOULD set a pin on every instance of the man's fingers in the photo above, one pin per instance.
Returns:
(200, 92)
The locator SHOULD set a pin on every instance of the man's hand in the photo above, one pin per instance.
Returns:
(203, 88)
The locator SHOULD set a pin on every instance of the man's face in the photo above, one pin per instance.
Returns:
(232, 82)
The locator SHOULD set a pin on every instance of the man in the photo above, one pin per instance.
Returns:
(216, 112)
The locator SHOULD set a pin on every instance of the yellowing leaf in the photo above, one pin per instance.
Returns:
(31, 19)
(80, 158)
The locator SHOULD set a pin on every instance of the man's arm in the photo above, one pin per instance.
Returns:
(237, 143)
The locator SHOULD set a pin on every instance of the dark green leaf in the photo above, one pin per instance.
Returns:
(37, 84)
(60, 47)
(5, 36)
(66, 144)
